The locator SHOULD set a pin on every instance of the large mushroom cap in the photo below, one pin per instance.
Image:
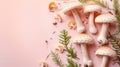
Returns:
(106, 51)
(71, 5)
(105, 18)
(83, 39)
(92, 8)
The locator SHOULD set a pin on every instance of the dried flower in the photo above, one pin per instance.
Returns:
(58, 17)
(43, 64)
(52, 6)
(71, 25)
(60, 48)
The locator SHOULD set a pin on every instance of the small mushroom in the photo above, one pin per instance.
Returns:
(105, 19)
(60, 48)
(84, 40)
(91, 9)
(106, 53)
(71, 8)
(43, 64)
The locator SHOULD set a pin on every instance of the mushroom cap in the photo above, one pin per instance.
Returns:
(83, 39)
(105, 18)
(92, 8)
(105, 51)
(72, 5)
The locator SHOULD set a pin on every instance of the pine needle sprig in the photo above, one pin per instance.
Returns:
(71, 63)
(56, 59)
(71, 52)
(118, 30)
(64, 37)
(83, 1)
(102, 3)
(117, 9)
(116, 45)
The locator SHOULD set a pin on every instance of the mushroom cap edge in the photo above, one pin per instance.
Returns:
(105, 51)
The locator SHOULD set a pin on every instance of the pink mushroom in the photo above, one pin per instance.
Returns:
(71, 8)
(84, 40)
(105, 19)
(91, 9)
(106, 53)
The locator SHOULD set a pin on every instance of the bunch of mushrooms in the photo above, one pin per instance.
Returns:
(84, 40)
(71, 8)
(91, 9)
(105, 20)
(106, 53)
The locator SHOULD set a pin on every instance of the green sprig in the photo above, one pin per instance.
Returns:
(64, 37)
(71, 63)
(115, 41)
(56, 59)
(83, 1)
(118, 30)
(117, 9)
(71, 52)
(102, 3)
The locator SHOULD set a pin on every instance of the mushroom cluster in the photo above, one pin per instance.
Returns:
(90, 9)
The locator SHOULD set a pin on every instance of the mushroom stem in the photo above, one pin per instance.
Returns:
(104, 61)
(102, 36)
(87, 62)
(80, 26)
(92, 27)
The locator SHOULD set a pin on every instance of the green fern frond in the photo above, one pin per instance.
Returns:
(56, 59)
(117, 9)
(115, 42)
(64, 37)
(71, 52)
(83, 1)
(71, 63)
(102, 3)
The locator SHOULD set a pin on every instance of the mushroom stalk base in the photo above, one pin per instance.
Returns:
(102, 39)
(80, 26)
(92, 27)
(104, 61)
(87, 62)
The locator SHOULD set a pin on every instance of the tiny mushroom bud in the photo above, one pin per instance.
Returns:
(43, 64)
(105, 19)
(84, 40)
(106, 53)
(60, 48)
(91, 9)
(71, 8)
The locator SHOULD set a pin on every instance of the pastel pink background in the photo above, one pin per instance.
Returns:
(24, 27)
